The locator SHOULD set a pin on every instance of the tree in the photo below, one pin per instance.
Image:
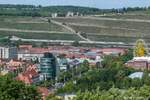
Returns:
(11, 89)
(49, 21)
(107, 62)
(47, 83)
(136, 82)
(116, 94)
(127, 56)
(83, 34)
(52, 97)
(76, 43)
(44, 45)
(86, 65)
(140, 48)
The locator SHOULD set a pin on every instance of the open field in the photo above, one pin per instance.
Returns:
(128, 16)
(29, 23)
(109, 23)
(111, 29)
(33, 28)
(51, 36)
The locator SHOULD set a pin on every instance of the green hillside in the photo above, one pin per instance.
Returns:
(110, 29)
(33, 28)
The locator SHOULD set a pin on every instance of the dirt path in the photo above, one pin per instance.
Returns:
(72, 30)
(115, 19)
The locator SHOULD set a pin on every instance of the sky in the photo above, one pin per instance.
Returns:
(102, 4)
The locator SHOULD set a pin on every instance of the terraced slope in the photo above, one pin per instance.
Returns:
(129, 16)
(36, 28)
(110, 29)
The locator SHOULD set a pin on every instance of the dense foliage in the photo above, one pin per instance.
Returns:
(140, 49)
(113, 73)
(30, 10)
(143, 93)
(11, 89)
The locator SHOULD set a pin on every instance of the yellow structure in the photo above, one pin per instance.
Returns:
(140, 48)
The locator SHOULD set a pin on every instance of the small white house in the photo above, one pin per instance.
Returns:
(54, 15)
(70, 14)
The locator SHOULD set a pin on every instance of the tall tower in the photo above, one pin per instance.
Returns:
(48, 66)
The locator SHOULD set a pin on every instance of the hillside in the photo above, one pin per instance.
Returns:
(36, 28)
(115, 28)
(110, 29)
(110, 25)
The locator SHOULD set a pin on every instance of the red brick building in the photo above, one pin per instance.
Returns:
(139, 63)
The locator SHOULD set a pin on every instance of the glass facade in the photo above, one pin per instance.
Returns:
(48, 66)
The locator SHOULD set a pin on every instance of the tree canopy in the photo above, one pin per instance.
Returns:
(143, 93)
(140, 48)
(11, 89)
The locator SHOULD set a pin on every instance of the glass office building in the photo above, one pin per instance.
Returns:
(48, 66)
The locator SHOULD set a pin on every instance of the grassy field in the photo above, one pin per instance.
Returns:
(50, 31)
(51, 36)
(96, 28)
(140, 26)
(129, 16)
(110, 29)
(116, 38)
(29, 23)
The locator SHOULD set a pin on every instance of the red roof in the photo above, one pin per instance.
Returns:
(27, 76)
(112, 50)
(44, 91)
(25, 46)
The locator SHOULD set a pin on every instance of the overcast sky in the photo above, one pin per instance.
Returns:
(88, 3)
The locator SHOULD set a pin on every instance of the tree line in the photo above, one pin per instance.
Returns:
(31, 10)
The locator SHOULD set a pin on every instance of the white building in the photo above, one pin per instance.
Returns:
(8, 52)
(26, 55)
(70, 14)
(54, 15)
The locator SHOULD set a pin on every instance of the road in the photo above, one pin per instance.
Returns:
(30, 31)
(14, 38)
(115, 19)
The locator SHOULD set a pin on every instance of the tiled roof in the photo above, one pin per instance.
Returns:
(44, 91)
(112, 49)
(27, 76)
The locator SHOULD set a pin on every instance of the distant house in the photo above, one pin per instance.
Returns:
(30, 76)
(8, 52)
(112, 51)
(10, 65)
(28, 53)
(139, 63)
(25, 46)
(70, 14)
(54, 15)
(77, 13)
(15, 63)
(63, 63)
